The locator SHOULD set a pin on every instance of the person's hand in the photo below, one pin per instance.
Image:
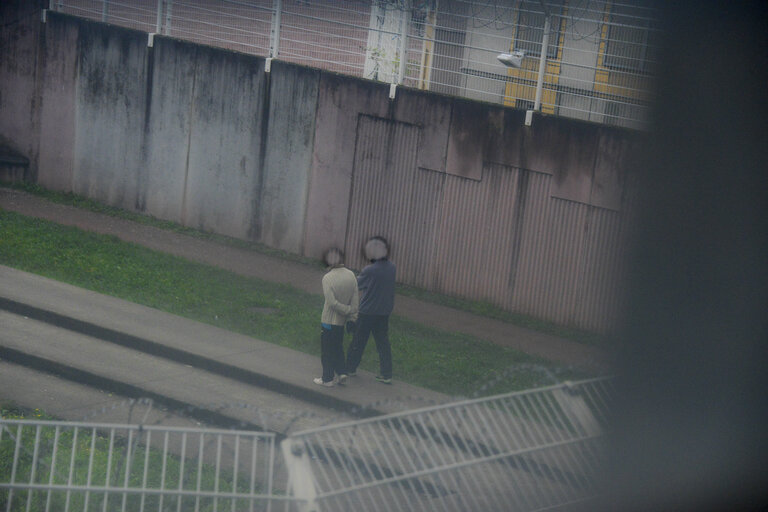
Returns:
(351, 326)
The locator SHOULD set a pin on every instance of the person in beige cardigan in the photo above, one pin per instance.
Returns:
(341, 305)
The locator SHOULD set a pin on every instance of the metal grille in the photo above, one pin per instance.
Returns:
(599, 62)
(534, 450)
(62, 466)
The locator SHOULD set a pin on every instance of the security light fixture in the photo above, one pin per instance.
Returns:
(512, 60)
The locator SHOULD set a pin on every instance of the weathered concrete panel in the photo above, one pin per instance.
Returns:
(167, 128)
(340, 101)
(614, 161)
(290, 139)
(433, 114)
(576, 152)
(392, 198)
(222, 179)
(477, 234)
(109, 115)
(56, 115)
(468, 132)
(18, 66)
(507, 134)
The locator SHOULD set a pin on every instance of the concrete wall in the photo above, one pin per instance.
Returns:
(110, 107)
(475, 203)
(19, 55)
(293, 99)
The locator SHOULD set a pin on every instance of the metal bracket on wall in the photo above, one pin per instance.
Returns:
(44, 15)
(150, 39)
(392, 89)
(268, 65)
(528, 117)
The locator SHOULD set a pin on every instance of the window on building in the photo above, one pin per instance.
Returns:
(630, 40)
(530, 27)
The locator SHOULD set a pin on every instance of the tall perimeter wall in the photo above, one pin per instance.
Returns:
(474, 203)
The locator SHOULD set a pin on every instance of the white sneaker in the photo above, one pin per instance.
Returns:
(341, 379)
(319, 380)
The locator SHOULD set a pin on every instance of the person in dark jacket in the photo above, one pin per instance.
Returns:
(376, 284)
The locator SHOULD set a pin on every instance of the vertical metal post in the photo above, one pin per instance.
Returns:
(104, 10)
(542, 62)
(301, 481)
(275, 42)
(427, 51)
(168, 16)
(403, 41)
(159, 25)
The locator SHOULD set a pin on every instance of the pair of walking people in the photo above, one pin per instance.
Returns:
(362, 305)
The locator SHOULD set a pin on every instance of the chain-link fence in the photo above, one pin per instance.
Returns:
(598, 60)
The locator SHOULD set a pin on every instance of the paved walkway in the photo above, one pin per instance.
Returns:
(305, 277)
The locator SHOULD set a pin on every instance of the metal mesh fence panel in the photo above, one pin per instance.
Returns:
(598, 66)
(239, 26)
(534, 450)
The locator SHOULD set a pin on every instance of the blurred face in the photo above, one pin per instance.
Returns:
(376, 249)
(333, 257)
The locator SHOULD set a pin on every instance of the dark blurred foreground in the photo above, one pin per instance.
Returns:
(691, 433)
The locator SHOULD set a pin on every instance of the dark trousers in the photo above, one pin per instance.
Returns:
(379, 326)
(332, 351)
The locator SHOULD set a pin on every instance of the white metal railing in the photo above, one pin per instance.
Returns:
(598, 65)
(523, 451)
(63, 466)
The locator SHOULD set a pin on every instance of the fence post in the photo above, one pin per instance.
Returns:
(577, 409)
(542, 61)
(277, 9)
(104, 10)
(301, 481)
(427, 49)
(403, 41)
(159, 23)
(168, 15)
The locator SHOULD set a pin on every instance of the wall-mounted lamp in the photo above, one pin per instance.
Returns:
(512, 60)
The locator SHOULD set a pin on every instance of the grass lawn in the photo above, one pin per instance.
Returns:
(447, 362)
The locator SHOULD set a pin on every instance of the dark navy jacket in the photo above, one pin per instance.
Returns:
(376, 283)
